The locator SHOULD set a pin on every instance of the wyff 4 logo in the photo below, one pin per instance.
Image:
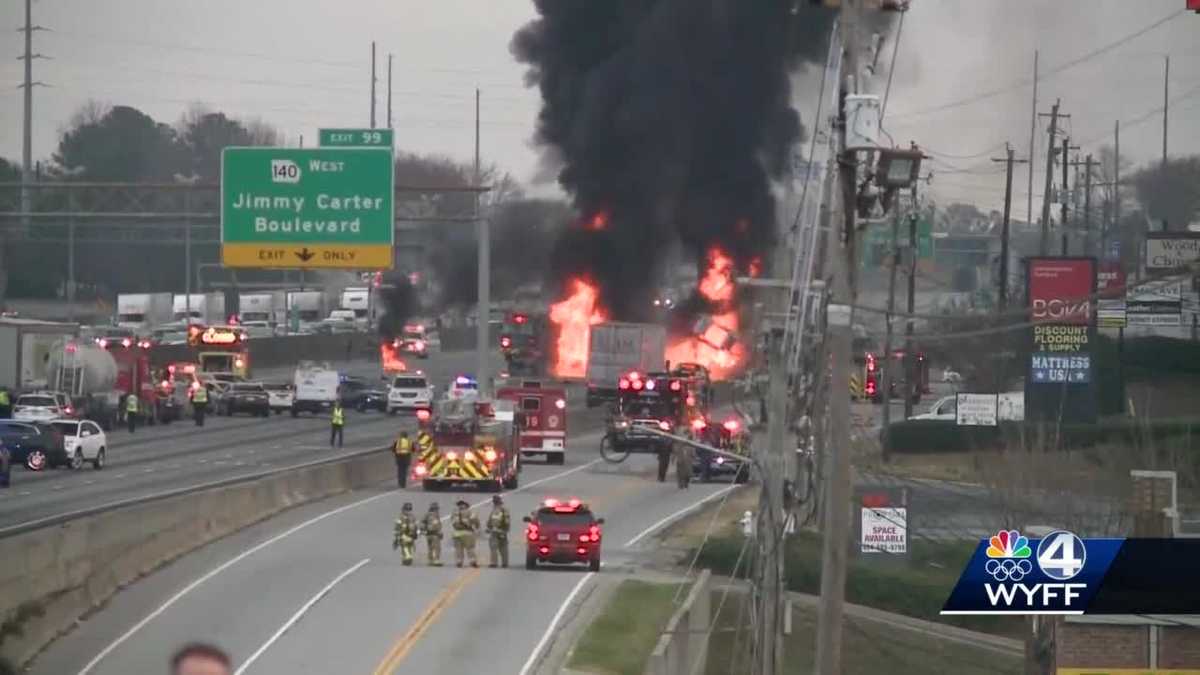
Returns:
(1060, 557)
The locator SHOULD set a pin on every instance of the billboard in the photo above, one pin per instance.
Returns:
(1060, 290)
(1155, 303)
(1168, 250)
(1110, 287)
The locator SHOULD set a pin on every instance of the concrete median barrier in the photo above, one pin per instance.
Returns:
(69, 567)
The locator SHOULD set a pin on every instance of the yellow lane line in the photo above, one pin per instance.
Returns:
(404, 645)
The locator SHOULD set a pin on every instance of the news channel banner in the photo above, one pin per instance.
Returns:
(1064, 574)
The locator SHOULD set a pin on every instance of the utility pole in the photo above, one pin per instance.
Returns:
(1166, 105)
(1032, 138)
(1086, 211)
(839, 319)
(909, 363)
(887, 337)
(1044, 247)
(389, 91)
(1008, 160)
(372, 84)
(27, 139)
(1116, 208)
(1066, 149)
(483, 290)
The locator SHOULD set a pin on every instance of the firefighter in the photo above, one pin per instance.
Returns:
(498, 526)
(466, 526)
(402, 449)
(199, 404)
(405, 535)
(131, 411)
(664, 460)
(337, 424)
(431, 525)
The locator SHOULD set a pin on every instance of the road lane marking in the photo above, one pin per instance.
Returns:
(679, 514)
(214, 572)
(531, 662)
(404, 645)
(299, 613)
(255, 549)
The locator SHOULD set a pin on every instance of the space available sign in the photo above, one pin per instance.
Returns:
(1060, 290)
(1169, 250)
(1046, 367)
(884, 529)
(1155, 303)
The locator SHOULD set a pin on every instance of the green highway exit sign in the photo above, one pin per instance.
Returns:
(364, 138)
(307, 208)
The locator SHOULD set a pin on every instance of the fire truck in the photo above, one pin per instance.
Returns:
(647, 403)
(523, 343)
(468, 442)
(221, 349)
(541, 417)
(134, 375)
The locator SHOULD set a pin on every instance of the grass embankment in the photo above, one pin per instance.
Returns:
(867, 647)
(619, 640)
(916, 588)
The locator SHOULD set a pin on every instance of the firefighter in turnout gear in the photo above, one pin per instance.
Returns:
(498, 526)
(131, 411)
(466, 526)
(337, 424)
(405, 537)
(683, 464)
(431, 525)
(402, 449)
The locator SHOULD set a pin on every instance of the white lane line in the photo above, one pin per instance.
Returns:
(255, 549)
(531, 662)
(214, 572)
(677, 515)
(120, 475)
(25, 493)
(299, 613)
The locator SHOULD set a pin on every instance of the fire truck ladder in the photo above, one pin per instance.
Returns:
(70, 375)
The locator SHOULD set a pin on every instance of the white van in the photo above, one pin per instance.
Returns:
(316, 388)
(409, 392)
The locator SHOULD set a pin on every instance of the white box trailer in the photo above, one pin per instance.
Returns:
(25, 348)
(615, 348)
(143, 312)
(264, 306)
(206, 308)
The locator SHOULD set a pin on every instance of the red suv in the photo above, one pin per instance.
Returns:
(563, 533)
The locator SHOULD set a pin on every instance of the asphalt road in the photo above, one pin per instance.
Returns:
(319, 590)
(167, 457)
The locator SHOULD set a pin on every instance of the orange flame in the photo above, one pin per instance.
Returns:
(597, 222)
(389, 358)
(575, 317)
(712, 347)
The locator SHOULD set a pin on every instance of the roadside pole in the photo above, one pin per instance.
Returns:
(887, 339)
(837, 511)
(482, 366)
(909, 362)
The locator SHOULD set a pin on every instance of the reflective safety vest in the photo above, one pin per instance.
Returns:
(432, 524)
(498, 521)
(3, 397)
(339, 417)
(403, 447)
(131, 403)
(200, 395)
(465, 523)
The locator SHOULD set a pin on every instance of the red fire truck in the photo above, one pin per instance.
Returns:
(468, 443)
(134, 375)
(541, 415)
(523, 343)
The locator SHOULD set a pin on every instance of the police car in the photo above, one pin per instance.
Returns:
(463, 387)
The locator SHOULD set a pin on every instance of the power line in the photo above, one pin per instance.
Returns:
(992, 93)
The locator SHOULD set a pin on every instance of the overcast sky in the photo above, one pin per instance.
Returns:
(304, 64)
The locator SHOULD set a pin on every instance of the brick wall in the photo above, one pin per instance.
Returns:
(1178, 647)
(1081, 645)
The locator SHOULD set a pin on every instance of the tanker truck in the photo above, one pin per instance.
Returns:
(98, 379)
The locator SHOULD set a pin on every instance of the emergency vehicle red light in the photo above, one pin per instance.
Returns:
(423, 415)
(573, 503)
(676, 385)
(870, 386)
(623, 384)
(699, 424)
(505, 341)
(691, 400)
(545, 550)
(550, 503)
(594, 531)
(532, 532)
(103, 343)
(581, 550)
(519, 318)
(634, 375)
(489, 455)
(71, 347)
(664, 425)
(451, 455)
(731, 425)
(560, 404)
(239, 363)
(69, 410)
(126, 342)
(420, 470)
(171, 369)
(649, 385)
(638, 384)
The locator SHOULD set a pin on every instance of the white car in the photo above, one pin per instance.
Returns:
(409, 392)
(946, 409)
(41, 407)
(84, 441)
(258, 329)
(463, 387)
(280, 396)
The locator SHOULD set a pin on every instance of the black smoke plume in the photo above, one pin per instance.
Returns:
(671, 119)
(399, 302)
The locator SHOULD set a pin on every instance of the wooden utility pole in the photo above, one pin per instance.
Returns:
(1032, 137)
(839, 322)
(1085, 213)
(909, 362)
(1008, 160)
(1066, 160)
(1044, 247)
(887, 337)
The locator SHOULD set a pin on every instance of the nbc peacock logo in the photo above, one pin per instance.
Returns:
(1008, 555)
